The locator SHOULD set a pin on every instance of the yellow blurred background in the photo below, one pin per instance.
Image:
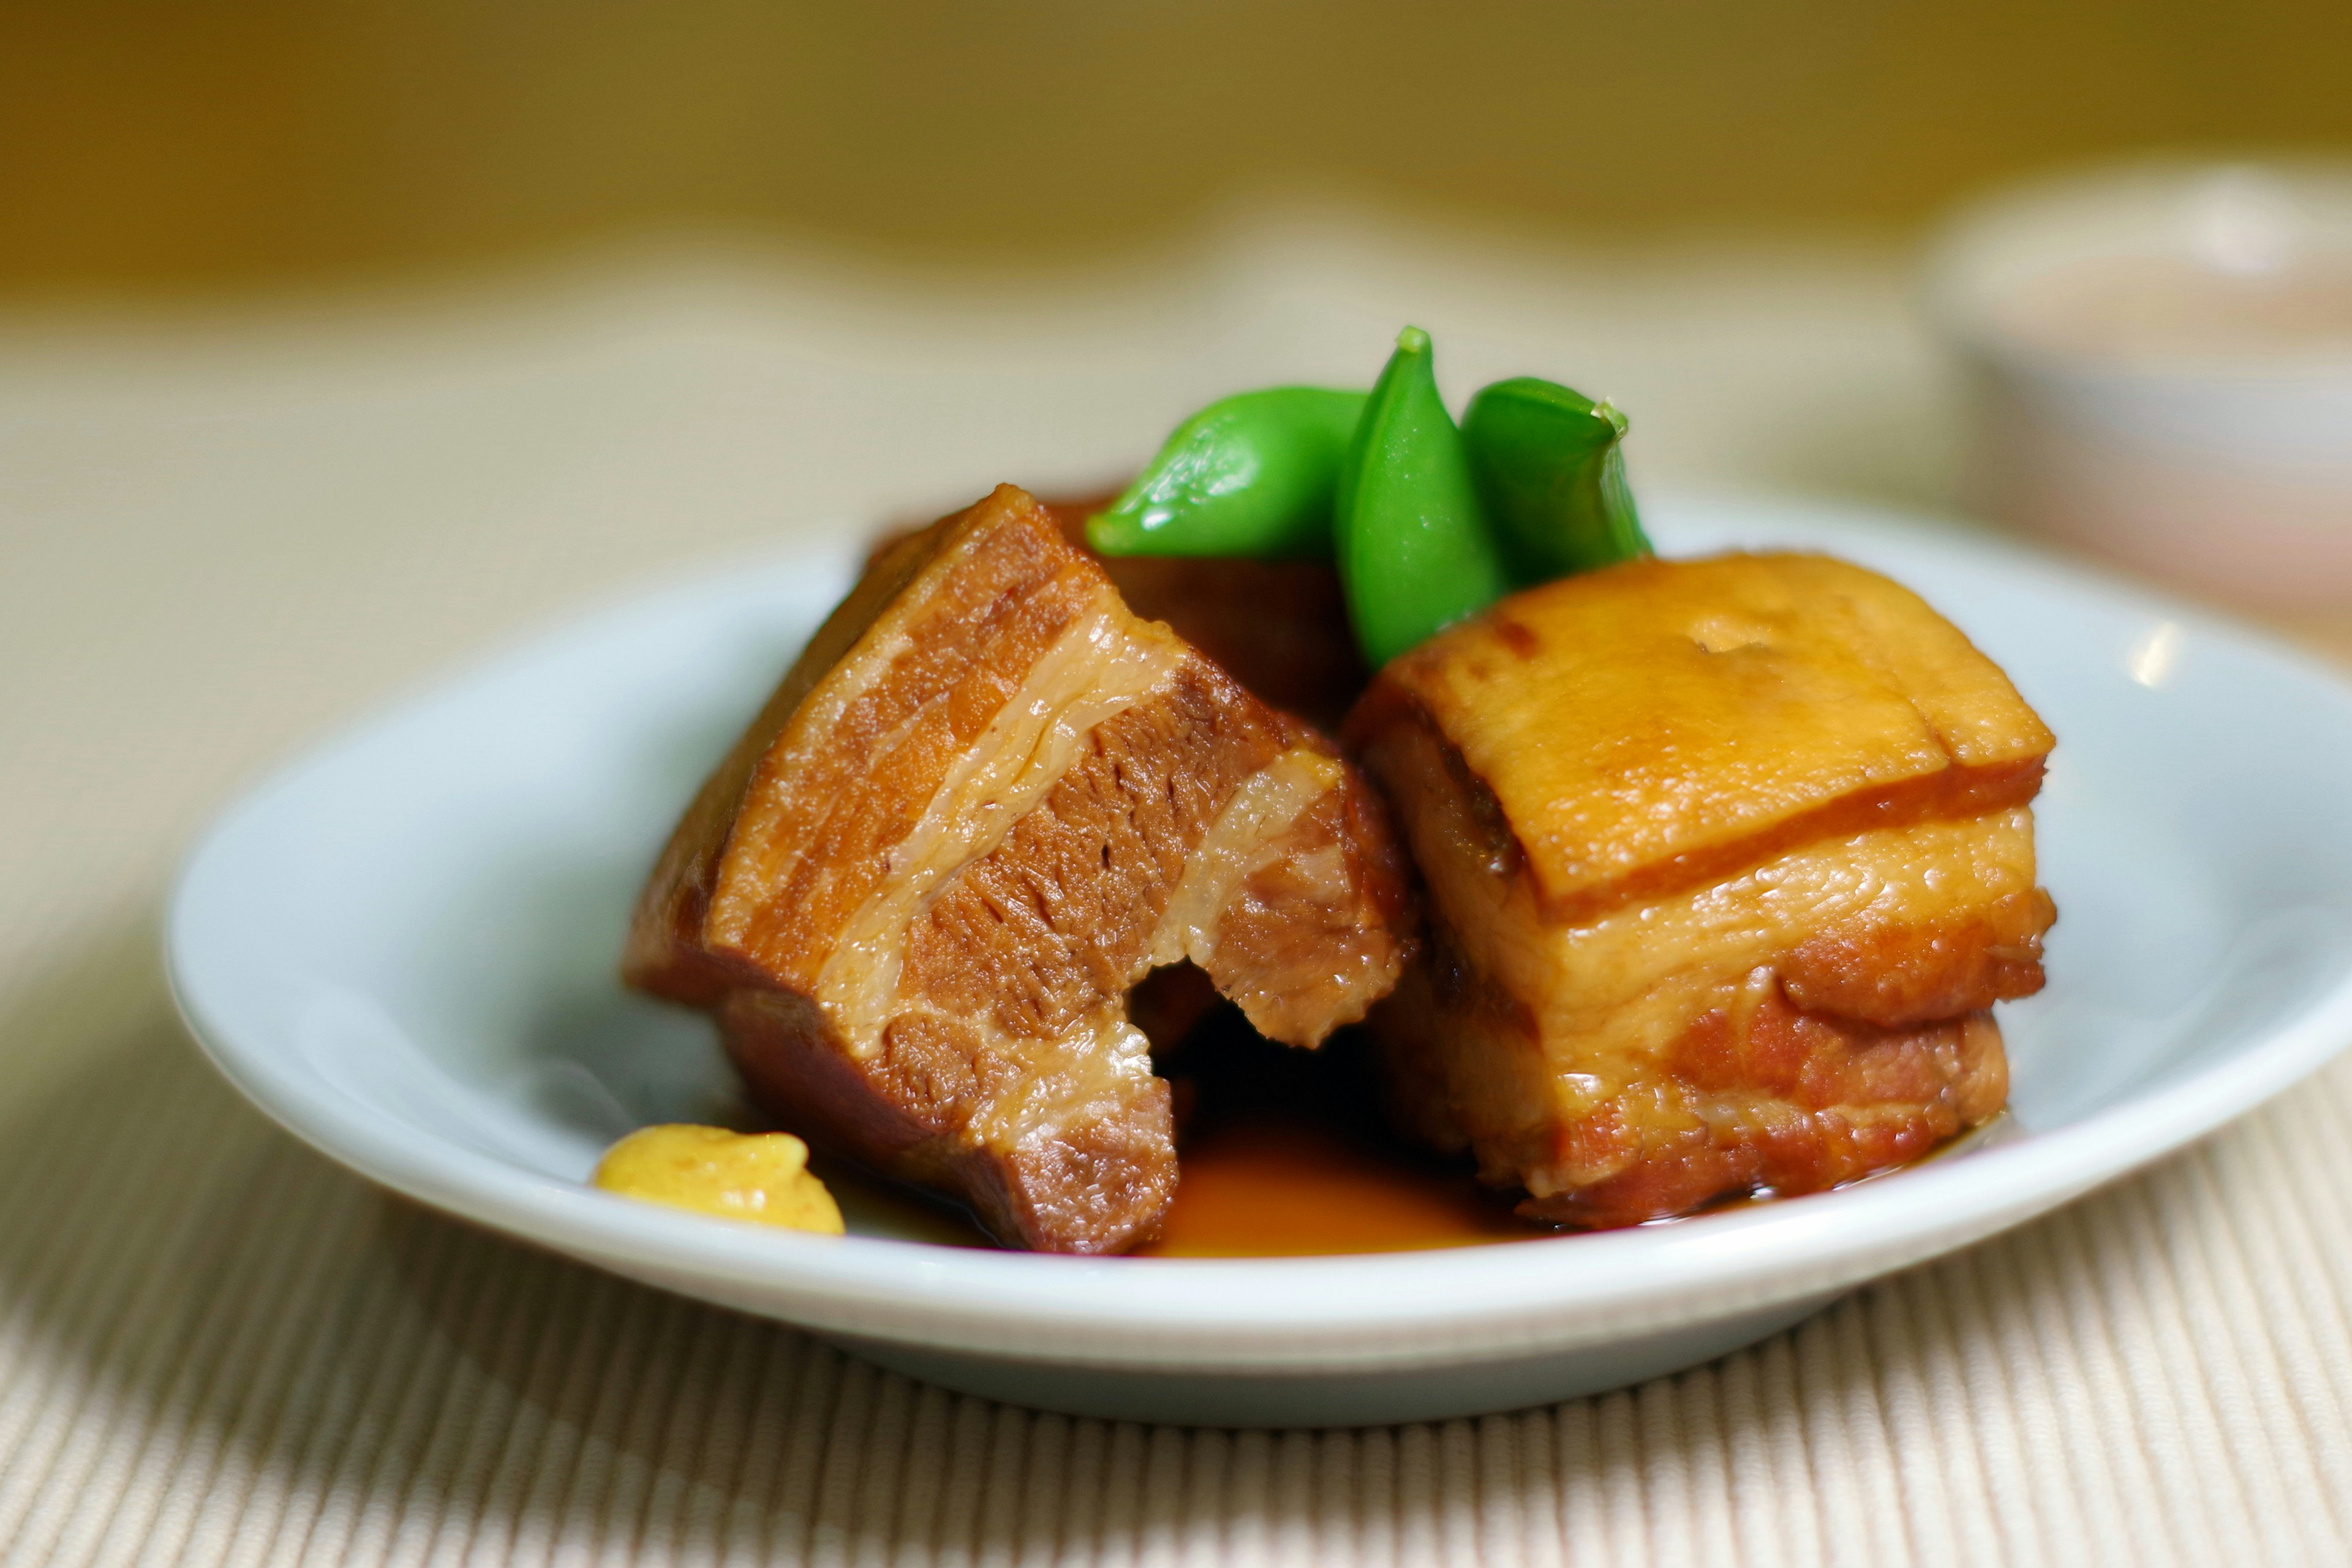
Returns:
(154, 147)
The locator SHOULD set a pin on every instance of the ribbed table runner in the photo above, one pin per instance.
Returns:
(223, 531)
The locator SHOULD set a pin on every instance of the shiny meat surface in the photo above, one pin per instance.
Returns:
(1734, 1002)
(988, 800)
(1653, 725)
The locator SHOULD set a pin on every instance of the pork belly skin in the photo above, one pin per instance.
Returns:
(987, 800)
(1726, 862)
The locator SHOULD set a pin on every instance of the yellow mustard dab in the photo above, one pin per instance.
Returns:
(762, 1177)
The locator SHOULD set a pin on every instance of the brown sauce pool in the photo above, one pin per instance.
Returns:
(1285, 1153)
(1281, 1153)
(1287, 1186)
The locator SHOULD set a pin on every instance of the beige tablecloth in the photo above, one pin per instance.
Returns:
(220, 534)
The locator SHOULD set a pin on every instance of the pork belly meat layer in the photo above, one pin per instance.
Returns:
(986, 802)
(1725, 861)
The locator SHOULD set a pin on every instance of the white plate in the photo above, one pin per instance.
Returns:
(402, 948)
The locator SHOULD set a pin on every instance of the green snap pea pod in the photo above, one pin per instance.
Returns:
(1415, 551)
(1249, 475)
(1550, 468)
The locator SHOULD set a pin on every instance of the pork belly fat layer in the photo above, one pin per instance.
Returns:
(986, 802)
(1780, 1003)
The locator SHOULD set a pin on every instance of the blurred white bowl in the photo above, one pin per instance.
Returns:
(2163, 361)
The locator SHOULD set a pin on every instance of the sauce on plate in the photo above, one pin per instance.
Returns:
(1281, 1152)
(1284, 1153)
(1287, 1154)
(1290, 1186)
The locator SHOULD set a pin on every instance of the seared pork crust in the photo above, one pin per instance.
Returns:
(1725, 863)
(988, 801)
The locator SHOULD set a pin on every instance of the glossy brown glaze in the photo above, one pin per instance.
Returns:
(1660, 724)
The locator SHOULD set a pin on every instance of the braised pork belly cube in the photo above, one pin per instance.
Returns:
(985, 802)
(1725, 863)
